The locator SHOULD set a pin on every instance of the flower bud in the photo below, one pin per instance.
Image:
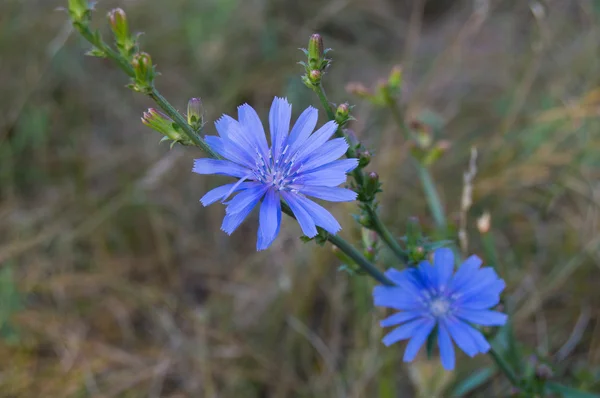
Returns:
(315, 50)
(194, 113)
(315, 76)
(342, 114)
(144, 71)
(163, 124)
(157, 121)
(79, 10)
(372, 185)
(364, 158)
(118, 24)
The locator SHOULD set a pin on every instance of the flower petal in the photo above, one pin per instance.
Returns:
(218, 193)
(249, 197)
(302, 128)
(407, 280)
(215, 166)
(443, 262)
(233, 220)
(332, 194)
(482, 345)
(418, 339)
(232, 133)
(317, 139)
(482, 317)
(230, 150)
(462, 337)
(279, 124)
(253, 128)
(402, 332)
(320, 215)
(327, 153)
(465, 272)
(396, 298)
(400, 317)
(446, 348)
(269, 220)
(304, 219)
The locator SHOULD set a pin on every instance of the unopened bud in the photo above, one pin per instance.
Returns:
(364, 158)
(343, 110)
(315, 49)
(315, 76)
(79, 10)
(194, 113)
(342, 114)
(118, 24)
(144, 71)
(163, 124)
(372, 185)
(483, 222)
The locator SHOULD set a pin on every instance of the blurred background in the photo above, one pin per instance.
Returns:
(116, 282)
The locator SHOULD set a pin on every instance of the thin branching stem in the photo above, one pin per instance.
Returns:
(162, 102)
(376, 223)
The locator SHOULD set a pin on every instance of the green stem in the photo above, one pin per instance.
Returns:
(359, 259)
(162, 102)
(124, 64)
(358, 175)
(95, 40)
(432, 197)
(324, 101)
(504, 367)
(385, 234)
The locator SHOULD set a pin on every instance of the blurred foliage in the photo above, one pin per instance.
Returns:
(115, 282)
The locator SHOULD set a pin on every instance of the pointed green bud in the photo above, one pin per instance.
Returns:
(195, 113)
(315, 50)
(372, 186)
(342, 114)
(118, 23)
(79, 10)
(144, 72)
(163, 124)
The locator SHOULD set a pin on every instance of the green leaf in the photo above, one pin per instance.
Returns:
(569, 392)
(472, 382)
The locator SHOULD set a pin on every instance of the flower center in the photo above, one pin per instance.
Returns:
(278, 173)
(439, 306)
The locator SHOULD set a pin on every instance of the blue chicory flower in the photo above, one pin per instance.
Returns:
(430, 296)
(297, 165)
